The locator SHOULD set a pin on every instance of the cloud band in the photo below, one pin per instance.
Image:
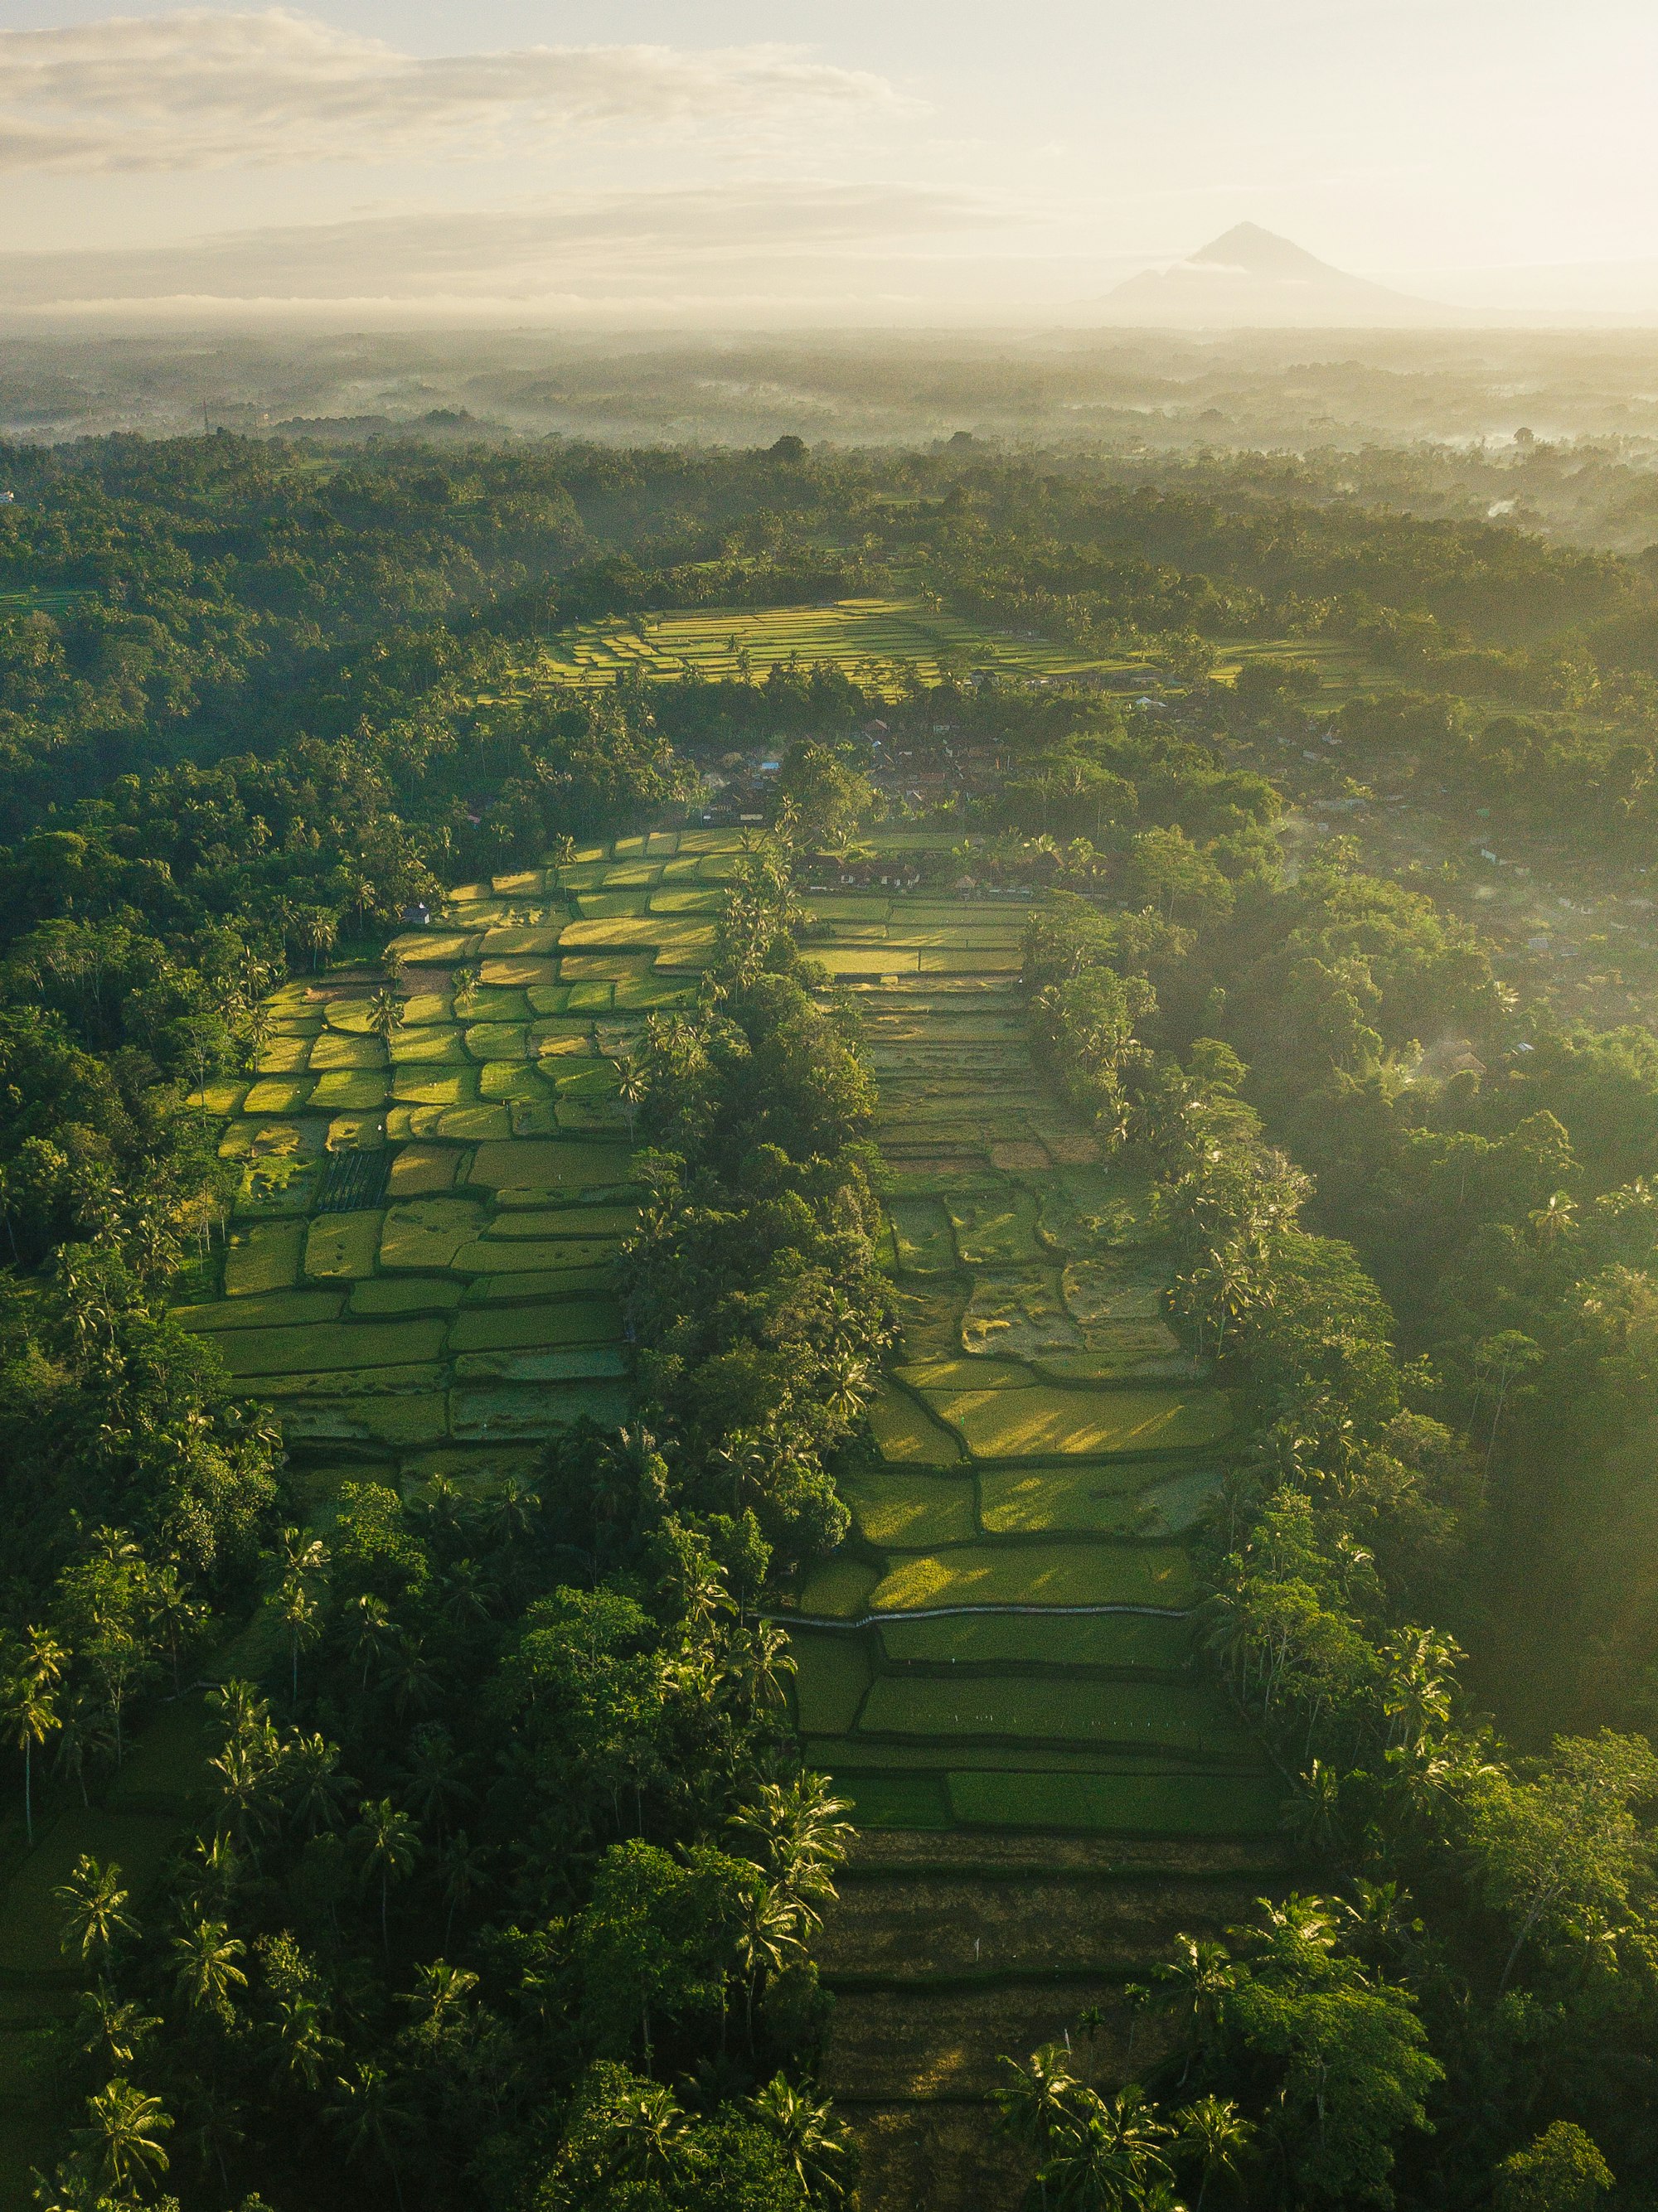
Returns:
(195, 89)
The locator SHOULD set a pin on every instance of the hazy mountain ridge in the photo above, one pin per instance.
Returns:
(1250, 278)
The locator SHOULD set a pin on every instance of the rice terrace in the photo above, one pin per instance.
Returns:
(995, 1668)
(827, 1288)
(888, 640)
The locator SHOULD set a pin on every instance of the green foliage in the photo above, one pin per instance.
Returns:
(753, 1280)
(1354, 2071)
(1562, 2171)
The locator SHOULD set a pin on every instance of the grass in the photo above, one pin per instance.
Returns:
(995, 1231)
(361, 1381)
(398, 1423)
(1126, 1353)
(895, 1801)
(1090, 1501)
(1110, 1639)
(838, 1588)
(278, 1309)
(1048, 1421)
(374, 1300)
(342, 1244)
(1102, 1291)
(1029, 1294)
(334, 1051)
(1115, 1716)
(548, 1167)
(508, 1256)
(921, 1231)
(832, 1675)
(910, 1509)
(970, 1374)
(428, 1232)
(590, 1363)
(1020, 1313)
(1039, 1574)
(263, 1257)
(1173, 1805)
(929, 1318)
(904, 1433)
(487, 1413)
(450, 1289)
(584, 1321)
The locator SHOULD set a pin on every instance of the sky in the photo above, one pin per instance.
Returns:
(731, 163)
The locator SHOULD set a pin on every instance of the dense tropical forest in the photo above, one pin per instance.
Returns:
(505, 1878)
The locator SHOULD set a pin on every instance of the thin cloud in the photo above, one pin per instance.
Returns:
(625, 249)
(195, 88)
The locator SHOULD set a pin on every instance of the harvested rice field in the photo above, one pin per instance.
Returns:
(419, 1273)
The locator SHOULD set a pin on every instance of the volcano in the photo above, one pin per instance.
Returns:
(1250, 278)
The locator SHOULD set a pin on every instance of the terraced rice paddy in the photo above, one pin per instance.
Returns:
(419, 1276)
(995, 1666)
(1041, 1444)
(881, 638)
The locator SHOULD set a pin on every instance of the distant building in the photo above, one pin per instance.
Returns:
(418, 916)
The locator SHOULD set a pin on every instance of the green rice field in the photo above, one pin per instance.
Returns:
(1004, 1641)
(877, 638)
(419, 1275)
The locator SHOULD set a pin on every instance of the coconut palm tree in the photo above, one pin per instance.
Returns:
(94, 1916)
(174, 1613)
(386, 1011)
(1314, 1812)
(257, 1034)
(468, 1594)
(849, 1382)
(1038, 2100)
(633, 1088)
(1213, 2133)
(28, 1713)
(441, 1987)
(215, 2127)
(651, 2135)
(305, 2045)
(802, 1836)
(374, 1634)
(317, 933)
(122, 2132)
(814, 2141)
(315, 1788)
(432, 1783)
(1196, 1979)
(84, 1733)
(1110, 2153)
(771, 1932)
(373, 2119)
(206, 1967)
(390, 1844)
(302, 1619)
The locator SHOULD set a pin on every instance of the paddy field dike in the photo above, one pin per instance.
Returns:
(997, 1666)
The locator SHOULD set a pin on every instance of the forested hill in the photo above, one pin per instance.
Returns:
(327, 788)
